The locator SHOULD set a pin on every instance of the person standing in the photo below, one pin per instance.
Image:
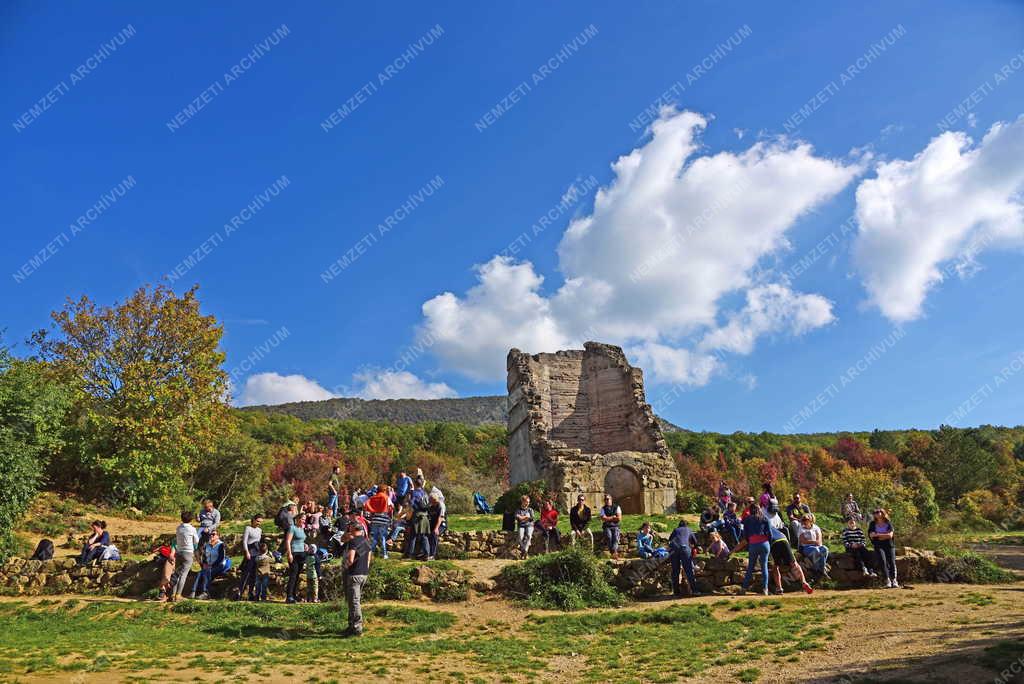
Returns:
(295, 542)
(782, 555)
(380, 508)
(420, 504)
(611, 519)
(524, 525)
(435, 516)
(209, 520)
(579, 521)
(757, 533)
(403, 485)
(681, 544)
(357, 557)
(881, 533)
(252, 535)
(333, 485)
(186, 541)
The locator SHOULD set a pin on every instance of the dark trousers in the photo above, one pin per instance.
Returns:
(682, 559)
(862, 556)
(886, 555)
(248, 573)
(294, 572)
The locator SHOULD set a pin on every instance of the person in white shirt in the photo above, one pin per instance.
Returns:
(186, 542)
(812, 545)
(251, 537)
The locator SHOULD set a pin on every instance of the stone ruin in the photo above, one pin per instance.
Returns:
(578, 419)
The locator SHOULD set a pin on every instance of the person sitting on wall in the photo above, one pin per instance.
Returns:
(579, 521)
(732, 527)
(611, 518)
(645, 543)
(549, 525)
(709, 518)
(524, 525)
(215, 563)
(795, 511)
(96, 543)
(850, 509)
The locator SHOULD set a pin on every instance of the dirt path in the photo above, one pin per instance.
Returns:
(1007, 555)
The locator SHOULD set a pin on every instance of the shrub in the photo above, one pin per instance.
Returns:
(923, 494)
(387, 580)
(692, 501)
(458, 499)
(871, 489)
(537, 490)
(968, 567)
(566, 580)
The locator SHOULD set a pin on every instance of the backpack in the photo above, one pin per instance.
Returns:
(44, 551)
(281, 520)
(508, 521)
(110, 553)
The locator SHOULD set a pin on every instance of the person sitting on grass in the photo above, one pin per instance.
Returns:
(96, 543)
(757, 533)
(813, 546)
(881, 533)
(856, 545)
(549, 525)
(717, 546)
(611, 518)
(782, 555)
(682, 545)
(524, 526)
(214, 563)
(579, 521)
(264, 561)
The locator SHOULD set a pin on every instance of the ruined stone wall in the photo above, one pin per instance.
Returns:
(576, 415)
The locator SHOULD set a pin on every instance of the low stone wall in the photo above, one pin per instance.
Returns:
(650, 577)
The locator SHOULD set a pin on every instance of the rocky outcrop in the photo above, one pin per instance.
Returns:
(579, 420)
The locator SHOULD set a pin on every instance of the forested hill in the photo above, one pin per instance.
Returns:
(468, 410)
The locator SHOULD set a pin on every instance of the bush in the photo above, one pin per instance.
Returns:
(923, 493)
(537, 490)
(387, 580)
(871, 489)
(967, 567)
(458, 499)
(566, 580)
(692, 502)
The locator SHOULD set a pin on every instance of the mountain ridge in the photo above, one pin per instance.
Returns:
(468, 410)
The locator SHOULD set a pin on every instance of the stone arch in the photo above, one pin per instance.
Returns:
(625, 487)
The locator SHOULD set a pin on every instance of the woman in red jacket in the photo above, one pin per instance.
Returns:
(549, 525)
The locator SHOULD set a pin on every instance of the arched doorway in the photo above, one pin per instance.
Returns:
(623, 484)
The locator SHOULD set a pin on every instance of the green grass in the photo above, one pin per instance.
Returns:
(242, 640)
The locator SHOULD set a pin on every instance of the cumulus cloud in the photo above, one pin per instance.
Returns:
(669, 237)
(922, 220)
(389, 384)
(272, 388)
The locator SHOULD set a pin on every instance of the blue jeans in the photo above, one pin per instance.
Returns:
(262, 582)
(397, 529)
(611, 538)
(332, 503)
(206, 575)
(379, 535)
(817, 554)
(683, 559)
(758, 556)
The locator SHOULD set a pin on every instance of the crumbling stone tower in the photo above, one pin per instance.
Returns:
(579, 420)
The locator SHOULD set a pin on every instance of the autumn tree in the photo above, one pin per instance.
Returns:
(149, 393)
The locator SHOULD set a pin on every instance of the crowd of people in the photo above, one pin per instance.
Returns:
(407, 519)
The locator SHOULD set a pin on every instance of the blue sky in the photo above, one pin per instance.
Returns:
(775, 311)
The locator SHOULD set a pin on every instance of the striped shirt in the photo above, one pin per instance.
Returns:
(382, 518)
(854, 536)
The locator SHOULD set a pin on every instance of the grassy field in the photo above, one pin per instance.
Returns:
(65, 636)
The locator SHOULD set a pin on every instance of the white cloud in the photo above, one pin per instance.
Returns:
(388, 384)
(769, 309)
(950, 202)
(670, 236)
(272, 388)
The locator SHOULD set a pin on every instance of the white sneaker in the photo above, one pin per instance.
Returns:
(888, 584)
(895, 584)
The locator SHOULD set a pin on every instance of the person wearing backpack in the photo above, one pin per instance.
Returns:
(420, 504)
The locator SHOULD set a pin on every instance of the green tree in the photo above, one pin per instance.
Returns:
(959, 464)
(32, 411)
(234, 473)
(149, 393)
